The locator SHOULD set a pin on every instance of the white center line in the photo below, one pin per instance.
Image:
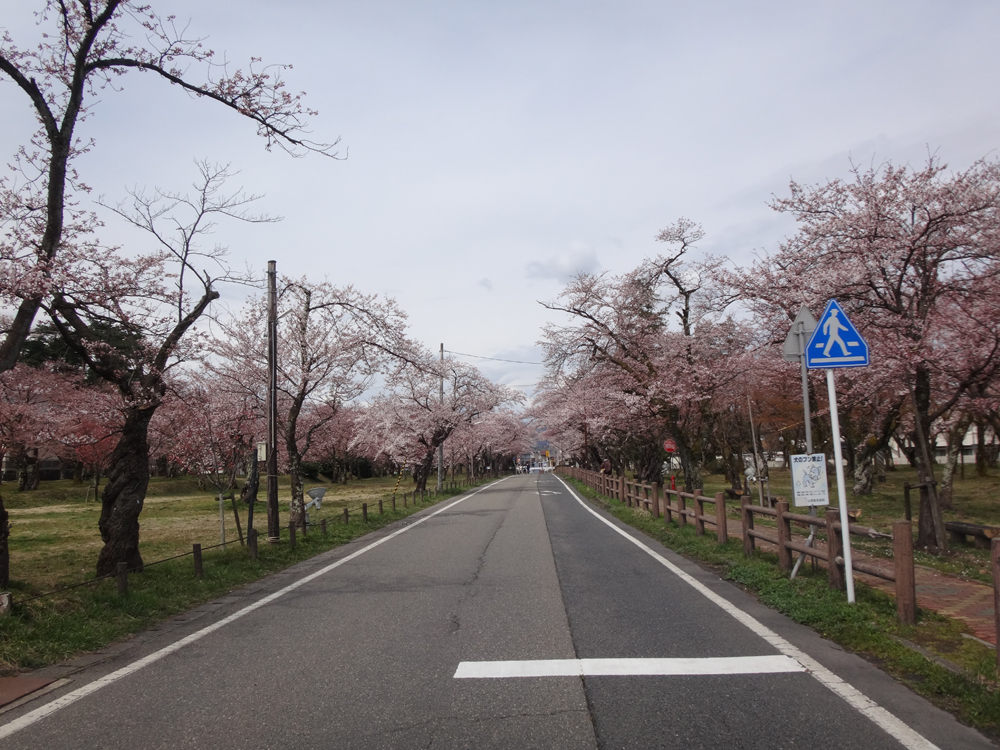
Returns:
(628, 667)
(855, 698)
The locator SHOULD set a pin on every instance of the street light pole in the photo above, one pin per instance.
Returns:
(440, 484)
(273, 521)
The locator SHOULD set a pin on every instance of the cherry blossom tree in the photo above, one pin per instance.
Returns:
(156, 300)
(85, 48)
(658, 381)
(332, 344)
(912, 254)
(409, 421)
(212, 429)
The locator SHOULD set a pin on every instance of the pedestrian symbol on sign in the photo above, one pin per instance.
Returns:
(836, 342)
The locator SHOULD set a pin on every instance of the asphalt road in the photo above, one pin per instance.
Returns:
(632, 647)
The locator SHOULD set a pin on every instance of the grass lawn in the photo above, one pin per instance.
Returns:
(54, 538)
(55, 542)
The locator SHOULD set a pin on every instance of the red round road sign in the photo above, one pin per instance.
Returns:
(669, 445)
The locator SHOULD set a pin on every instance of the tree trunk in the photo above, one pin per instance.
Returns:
(21, 465)
(864, 475)
(931, 533)
(124, 494)
(297, 513)
(981, 448)
(690, 465)
(34, 472)
(423, 470)
(731, 465)
(956, 438)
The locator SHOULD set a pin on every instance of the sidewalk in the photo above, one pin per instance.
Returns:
(965, 600)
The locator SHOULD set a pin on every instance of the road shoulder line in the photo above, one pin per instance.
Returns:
(73, 696)
(854, 697)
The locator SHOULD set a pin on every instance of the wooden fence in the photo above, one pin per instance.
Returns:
(674, 505)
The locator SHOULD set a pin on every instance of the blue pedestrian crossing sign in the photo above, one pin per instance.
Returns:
(836, 342)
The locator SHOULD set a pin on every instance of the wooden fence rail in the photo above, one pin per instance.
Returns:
(674, 504)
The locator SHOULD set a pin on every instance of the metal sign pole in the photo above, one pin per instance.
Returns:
(800, 335)
(835, 343)
(845, 522)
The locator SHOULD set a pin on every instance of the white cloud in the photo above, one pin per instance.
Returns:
(565, 265)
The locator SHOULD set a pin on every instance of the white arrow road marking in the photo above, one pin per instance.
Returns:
(628, 667)
(855, 698)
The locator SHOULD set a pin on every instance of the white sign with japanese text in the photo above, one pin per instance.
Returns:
(809, 480)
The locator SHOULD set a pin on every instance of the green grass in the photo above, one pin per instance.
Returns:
(57, 627)
(865, 628)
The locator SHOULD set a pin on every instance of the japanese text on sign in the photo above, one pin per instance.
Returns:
(809, 479)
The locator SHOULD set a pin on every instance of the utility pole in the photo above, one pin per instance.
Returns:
(440, 484)
(273, 522)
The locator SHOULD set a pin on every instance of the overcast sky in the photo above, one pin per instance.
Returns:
(495, 148)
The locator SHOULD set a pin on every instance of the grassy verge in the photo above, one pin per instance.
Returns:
(867, 628)
(55, 628)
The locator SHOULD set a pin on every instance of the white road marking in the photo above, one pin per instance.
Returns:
(854, 697)
(92, 687)
(628, 667)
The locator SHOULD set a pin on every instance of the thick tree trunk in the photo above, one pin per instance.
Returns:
(691, 467)
(930, 530)
(423, 470)
(731, 465)
(34, 471)
(864, 475)
(124, 494)
(297, 514)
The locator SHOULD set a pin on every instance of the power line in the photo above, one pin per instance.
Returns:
(494, 359)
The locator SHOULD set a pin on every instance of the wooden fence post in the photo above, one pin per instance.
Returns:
(699, 511)
(322, 526)
(404, 499)
(199, 571)
(747, 514)
(906, 584)
(252, 543)
(380, 512)
(291, 535)
(833, 551)
(721, 526)
(655, 500)
(393, 503)
(364, 512)
(122, 572)
(784, 536)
